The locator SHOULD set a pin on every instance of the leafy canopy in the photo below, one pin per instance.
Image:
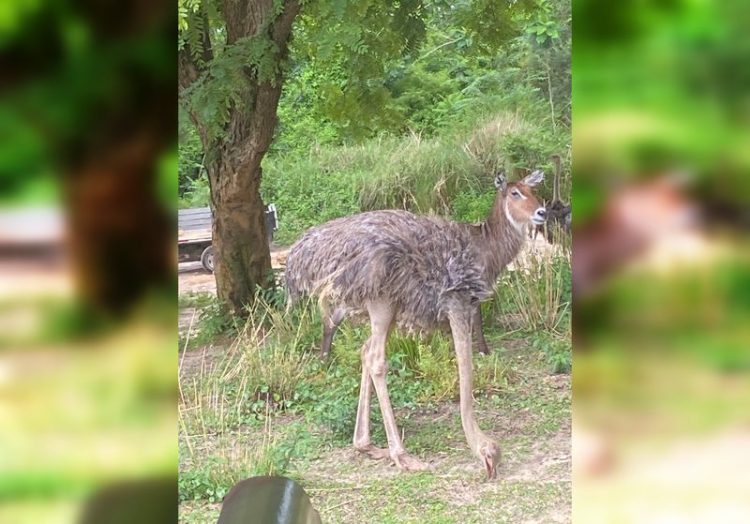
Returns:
(347, 46)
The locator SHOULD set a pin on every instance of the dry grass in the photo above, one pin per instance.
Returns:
(537, 287)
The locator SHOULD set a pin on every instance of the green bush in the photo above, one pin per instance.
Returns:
(450, 174)
(556, 351)
(197, 193)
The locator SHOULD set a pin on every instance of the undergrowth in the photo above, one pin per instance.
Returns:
(271, 369)
(538, 291)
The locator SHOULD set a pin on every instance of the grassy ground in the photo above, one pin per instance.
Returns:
(297, 421)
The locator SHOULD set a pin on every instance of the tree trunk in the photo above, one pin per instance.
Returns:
(119, 234)
(242, 260)
(242, 256)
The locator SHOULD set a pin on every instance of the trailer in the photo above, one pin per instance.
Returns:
(194, 238)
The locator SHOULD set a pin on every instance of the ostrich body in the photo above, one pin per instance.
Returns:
(419, 272)
(494, 240)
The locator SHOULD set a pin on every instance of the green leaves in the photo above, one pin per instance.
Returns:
(489, 23)
(360, 68)
(236, 70)
(226, 85)
(349, 44)
(544, 31)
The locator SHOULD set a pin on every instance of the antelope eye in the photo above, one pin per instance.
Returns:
(515, 193)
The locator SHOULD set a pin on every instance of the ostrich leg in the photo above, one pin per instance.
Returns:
(381, 322)
(362, 425)
(330, 325)
(484, 447)
(476, 322)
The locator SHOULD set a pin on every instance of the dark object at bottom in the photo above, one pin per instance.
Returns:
(145, 501)
(267, 500)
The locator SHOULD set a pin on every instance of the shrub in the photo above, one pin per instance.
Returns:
(556, 350)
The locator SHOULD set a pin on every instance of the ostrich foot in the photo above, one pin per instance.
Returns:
(373, 451)
(406, 462)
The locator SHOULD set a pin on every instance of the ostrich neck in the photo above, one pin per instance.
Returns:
(500, 240)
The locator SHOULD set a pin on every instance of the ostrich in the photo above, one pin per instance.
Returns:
(419, 272)
(558, 212)
(494, 259)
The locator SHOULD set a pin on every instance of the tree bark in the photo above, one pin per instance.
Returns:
(242, 260)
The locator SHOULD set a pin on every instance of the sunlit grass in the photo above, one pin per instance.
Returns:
(79, 412)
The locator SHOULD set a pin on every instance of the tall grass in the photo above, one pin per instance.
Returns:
(431, 362)
(533, 297)
(230, 401)
(536, 288)
(263, 366)
(211, 465)
(257, 376)
(449, 174)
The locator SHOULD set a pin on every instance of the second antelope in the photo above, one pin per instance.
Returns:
(418, 272)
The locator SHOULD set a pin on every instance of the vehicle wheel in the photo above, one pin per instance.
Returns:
(207, 259)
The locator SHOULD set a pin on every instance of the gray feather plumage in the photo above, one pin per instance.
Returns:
(421, 265)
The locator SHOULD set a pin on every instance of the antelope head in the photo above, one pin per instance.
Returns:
(520, 205)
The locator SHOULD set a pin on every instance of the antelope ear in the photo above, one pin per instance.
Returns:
(500, 181)
(534, 178)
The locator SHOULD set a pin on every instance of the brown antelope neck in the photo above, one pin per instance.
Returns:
(498, 239)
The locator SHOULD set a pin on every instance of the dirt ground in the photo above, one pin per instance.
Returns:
(531, 418)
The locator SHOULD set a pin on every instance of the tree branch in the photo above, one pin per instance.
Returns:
(428, 53)
(282, 26)
(191, 69)
(245, 18)
(264, 118)
(255, 127)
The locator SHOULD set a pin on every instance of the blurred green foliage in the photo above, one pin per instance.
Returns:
(78, 412)
(73, 78)
(663, 352)
(660, 85)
